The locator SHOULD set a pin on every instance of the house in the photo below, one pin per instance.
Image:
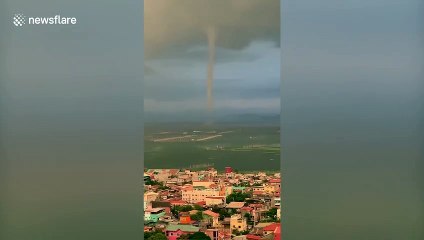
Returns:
(211, 201)
(198, 194)
(162, 175)
(268, 231)
(185, 218)
(153, 215)
(239, 189)
(201, 203)
(253, 237)
(238, 222)
(206, 184)
(258, 190)
(259, 228)
(277, 233)
(212, 218)
(270, 189)
(275, 182)
(226, 223)
(278, 214)
(235, 205)
(212, 233)
(246, 210)
(148, 198)
(177, 203)
(162, 204)
(173, 231)
(270, 228)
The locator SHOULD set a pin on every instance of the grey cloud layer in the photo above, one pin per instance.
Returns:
(184, 23)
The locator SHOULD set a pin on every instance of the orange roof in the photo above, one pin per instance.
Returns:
(235, 205)
(210, 213)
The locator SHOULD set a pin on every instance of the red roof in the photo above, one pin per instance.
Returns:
(272, 227)
(277, 233)
(246, 209)
(275, 180)
(257, 205)
(253, 237)
(201, 203)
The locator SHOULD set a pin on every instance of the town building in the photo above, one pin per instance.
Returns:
(238, 222)
(211, 201)
(211, 218)
(174, 231)
(198, 194)
(148, 198)
(162, 175)
(235, 205)
(153, 215)
(213, 234)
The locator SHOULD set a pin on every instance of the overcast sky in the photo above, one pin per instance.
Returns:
(247, 66)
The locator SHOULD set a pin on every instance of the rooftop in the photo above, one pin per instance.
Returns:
(275, 180)
(252, 237)
(154, 210)
(272, 227)
(210, 213)
(235, 205)
(184, 228)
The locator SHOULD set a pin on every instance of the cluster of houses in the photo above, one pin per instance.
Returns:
(228, 205)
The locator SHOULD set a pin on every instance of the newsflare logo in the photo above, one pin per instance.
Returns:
(20, 20)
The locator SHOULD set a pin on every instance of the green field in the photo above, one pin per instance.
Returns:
(241, 147)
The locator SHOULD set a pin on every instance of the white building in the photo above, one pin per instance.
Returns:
(198, 194)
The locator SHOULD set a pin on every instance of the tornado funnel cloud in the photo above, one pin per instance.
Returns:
(211, 33)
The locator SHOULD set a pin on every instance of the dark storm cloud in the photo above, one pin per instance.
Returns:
(184, 23)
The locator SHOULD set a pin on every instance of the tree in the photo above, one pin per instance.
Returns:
(199, 236)
(177, 209)
(237, 197)
(197, 216)
(223, 214)
(185, 208)
(183, 237)
(272, 214)
(158, 236)
(221, 211)
(149, 234)
(198, 207)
